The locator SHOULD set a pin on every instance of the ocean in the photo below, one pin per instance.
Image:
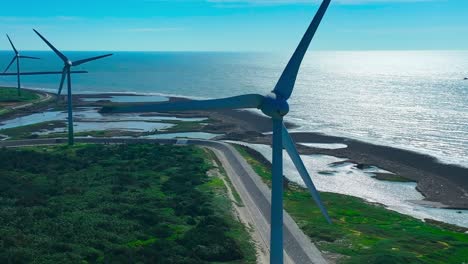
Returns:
(415, 100)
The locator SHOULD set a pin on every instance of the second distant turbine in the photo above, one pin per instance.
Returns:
(66, 74)
(17, 58)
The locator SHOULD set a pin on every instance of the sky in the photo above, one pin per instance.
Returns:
(234, 25)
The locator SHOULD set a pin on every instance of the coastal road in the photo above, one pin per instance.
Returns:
(255, 194)
(43, 96)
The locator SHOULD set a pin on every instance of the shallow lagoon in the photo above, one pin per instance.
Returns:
(33, 119)
(131, 126)
(89, 114)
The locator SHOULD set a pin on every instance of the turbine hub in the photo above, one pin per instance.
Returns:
(69, 63)
(274, 106)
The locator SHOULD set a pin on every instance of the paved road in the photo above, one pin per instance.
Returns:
(255, 194)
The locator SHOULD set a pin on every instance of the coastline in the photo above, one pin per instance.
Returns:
(442, 185)
(445, 184)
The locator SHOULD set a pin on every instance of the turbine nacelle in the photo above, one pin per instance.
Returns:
(69, 63)
(274, 106)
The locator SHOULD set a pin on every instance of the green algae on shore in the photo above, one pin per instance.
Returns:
(391, 177)
(10, 95)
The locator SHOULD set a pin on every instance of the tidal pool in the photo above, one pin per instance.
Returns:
(325, 145)
(33, 119)
(132, 126)
(87, 114)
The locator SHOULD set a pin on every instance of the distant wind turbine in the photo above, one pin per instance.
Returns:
(66, 74)
(17, 58)
(274, 105)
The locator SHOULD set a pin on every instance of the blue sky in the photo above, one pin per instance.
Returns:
(234, 25)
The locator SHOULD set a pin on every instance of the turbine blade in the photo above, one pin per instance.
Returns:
(64, 74)
(9, 65)
(63, 57)
(236, 102)
(40, 73)
(285, 85)
(288, 144)
(79, 62)
(29, 57)
(13, 46)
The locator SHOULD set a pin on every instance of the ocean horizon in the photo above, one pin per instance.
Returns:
(414, 100)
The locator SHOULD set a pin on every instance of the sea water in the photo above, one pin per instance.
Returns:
(415, 100)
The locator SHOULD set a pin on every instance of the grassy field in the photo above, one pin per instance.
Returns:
(116, 204)
(10, 95)
(364, 232)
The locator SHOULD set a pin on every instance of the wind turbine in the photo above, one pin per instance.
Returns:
(274, 105)
(17, 58)
(66, 74)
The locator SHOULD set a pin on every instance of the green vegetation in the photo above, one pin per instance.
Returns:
(391, 177)
(3, 110)
(222, 171)
(116, 204)
(367, 233)
(10, 95)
